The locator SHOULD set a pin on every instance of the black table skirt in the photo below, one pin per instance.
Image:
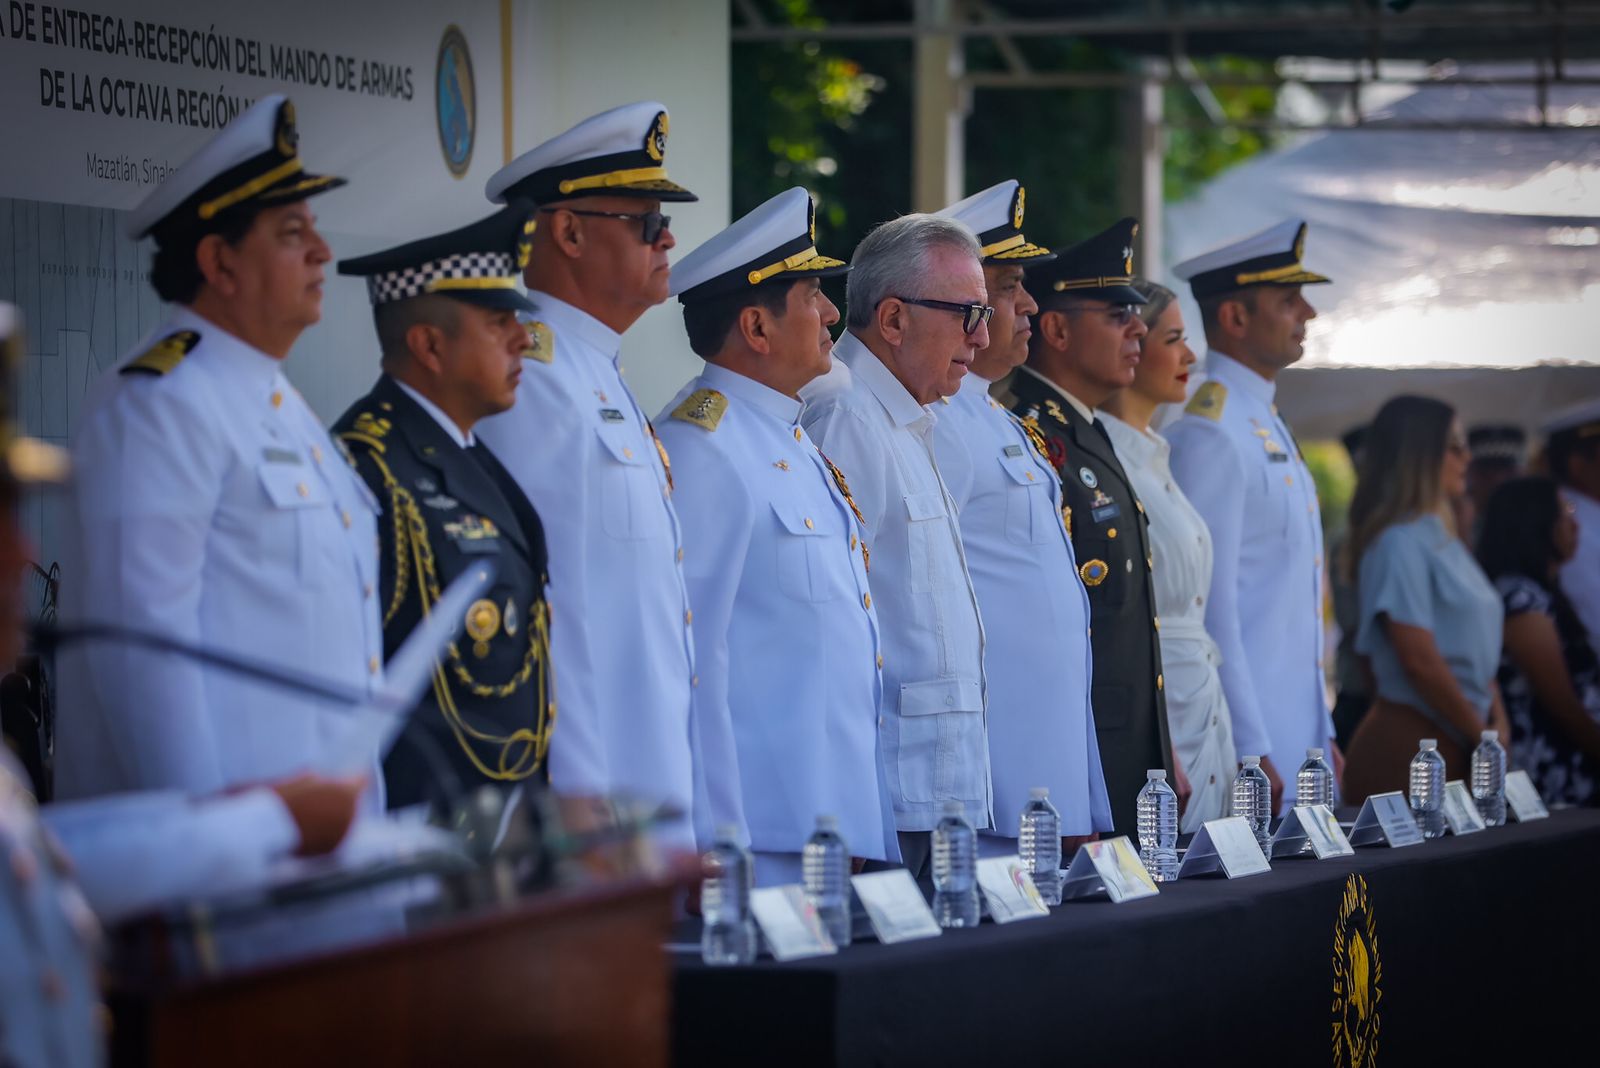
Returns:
(1468, 948)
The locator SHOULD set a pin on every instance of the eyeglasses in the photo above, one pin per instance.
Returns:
(653, 222)
(1119, 314)
(972, 315)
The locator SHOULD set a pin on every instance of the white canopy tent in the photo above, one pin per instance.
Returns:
(1466, 263)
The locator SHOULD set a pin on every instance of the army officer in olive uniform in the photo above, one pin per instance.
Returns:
(1084, 347)
(445, 309)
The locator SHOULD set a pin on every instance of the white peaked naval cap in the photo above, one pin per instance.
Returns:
(621, 152)
(777, 242)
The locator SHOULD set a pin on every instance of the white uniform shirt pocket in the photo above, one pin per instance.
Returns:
(630, 504)
(941, 726)
(927, 528)
(285, 531)
(805, 540)
(1027, 501)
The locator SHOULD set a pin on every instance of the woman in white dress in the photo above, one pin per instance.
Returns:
(1197, 711)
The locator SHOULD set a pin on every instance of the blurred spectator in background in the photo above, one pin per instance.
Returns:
(1549, 674)
(1354, 673)
(1573, 458)
(1429, 619)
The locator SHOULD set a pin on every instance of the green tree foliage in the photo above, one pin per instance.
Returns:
(835, 117)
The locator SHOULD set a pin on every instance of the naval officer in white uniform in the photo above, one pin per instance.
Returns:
(785, 633)
(1242, 469)
(210, 506)
(582, 450)
(916, 315)
(1035, 607)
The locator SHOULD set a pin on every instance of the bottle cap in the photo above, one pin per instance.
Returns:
(1430, 743)
(954, 808)
(1313, 754)
(1038, 793)
(1251, 761)
(1156, 775)
(827, 823)
(1489, 736)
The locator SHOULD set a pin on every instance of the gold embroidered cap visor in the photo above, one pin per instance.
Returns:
(790, 263)
(1264, 271)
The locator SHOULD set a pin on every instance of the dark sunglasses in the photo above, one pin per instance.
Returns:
(972, 315)
(653, 222)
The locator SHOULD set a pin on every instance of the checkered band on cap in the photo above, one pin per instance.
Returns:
(467, 270)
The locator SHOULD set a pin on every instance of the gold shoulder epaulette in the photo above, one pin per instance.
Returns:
(1208, 401)
(704, 408)
(541, 343)
(164, 355)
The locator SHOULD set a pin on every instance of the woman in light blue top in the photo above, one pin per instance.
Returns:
(1430, 620)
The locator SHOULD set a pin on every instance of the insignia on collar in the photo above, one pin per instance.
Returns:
(704, 408)
(164, 355)
(1208, 400)
(1088, 478)
(541, 343)
(1055, 411)
(1094, 572)
(371, 426)
(1030, 426)
(844, 491)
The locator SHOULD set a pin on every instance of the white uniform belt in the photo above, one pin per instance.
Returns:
(1188, 629)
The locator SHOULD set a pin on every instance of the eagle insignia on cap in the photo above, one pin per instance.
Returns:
(1300, 244)
(1016, 208)
(525, 242)
(288, 138)
(704, 408)
(1208, 400)
(655, 142)
(164, 355)
(1127, 252)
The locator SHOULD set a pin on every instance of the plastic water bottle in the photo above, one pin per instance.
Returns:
(1489, 778)
(1158, 827)
(1039, 844)
(1313, 785)
(955, 869)
(1427, 789)
(1252, 799)
(729, 932)
(825, 874)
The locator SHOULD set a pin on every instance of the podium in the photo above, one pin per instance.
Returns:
(561, 978)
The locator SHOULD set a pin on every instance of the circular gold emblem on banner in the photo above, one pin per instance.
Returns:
(1357, 974)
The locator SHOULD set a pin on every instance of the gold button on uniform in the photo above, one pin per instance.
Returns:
(344, 517)
(303, 490)
(366, 591)
(695, 681)
(1161, 682)
(880, 661)
(627, 452)
(277, 399)
(866, 600)
(372, 665)
(1029, 474)
(798, 436)
(316, 453)
(1112, 533)
(852, 543)
(809, 524)
(680, 556)
(1158, 622)
(688, 618)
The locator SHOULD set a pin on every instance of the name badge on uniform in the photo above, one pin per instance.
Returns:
(1013, 450)
(1279, 457)
(611, 415)
(280, 456)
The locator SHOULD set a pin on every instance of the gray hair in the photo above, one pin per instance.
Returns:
(893, 260)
